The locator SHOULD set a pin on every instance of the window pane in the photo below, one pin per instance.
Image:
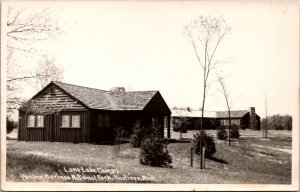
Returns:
(65, 121)
(100, 120)
(40, 121)
(107, 120)
(75, 120)
(30, 121)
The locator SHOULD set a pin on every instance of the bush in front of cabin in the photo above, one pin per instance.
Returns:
(208, 143)
(222, 133)
(154, 152)
(10, 125)
(138, 135)
(234, 132)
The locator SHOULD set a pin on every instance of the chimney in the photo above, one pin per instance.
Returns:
(252, 111)
(252, 119)
(117, 90)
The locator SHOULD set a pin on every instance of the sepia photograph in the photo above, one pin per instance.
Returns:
(149, 95)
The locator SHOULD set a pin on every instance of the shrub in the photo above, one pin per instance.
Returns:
(180, 124)
(234, 132)
(139, 132)
(10, 125)
(208, 142)
(222, 133)
(119, 133)
(153, 152)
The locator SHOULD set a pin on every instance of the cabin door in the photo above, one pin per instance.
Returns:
(104, 130)
(52, 127)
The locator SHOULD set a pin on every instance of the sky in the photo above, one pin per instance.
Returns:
(140, 45)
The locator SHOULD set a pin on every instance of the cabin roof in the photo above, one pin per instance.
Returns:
(208, 114)
(233, 114)
(107, 100)
(191, 113)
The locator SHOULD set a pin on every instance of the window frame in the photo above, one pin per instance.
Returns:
(61, 120)
(71, 121)
(105, 123)
(70, 118)
(35, 121)
(236, 122)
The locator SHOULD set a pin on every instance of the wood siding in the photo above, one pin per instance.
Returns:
(158, 106)
(58, 99)
(52, 130)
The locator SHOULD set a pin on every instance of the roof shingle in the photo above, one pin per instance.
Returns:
(208, 114)
(233, 114)
(101, 99)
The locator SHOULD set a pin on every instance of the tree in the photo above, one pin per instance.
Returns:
(277, 122)
(287, 122)
(206, 35)
(10, 125)
(119, 133)
(180, 124)
(25, 31)
(229, 103)
(265, 128)
(47, 71)
(139, 133)
(154, 152)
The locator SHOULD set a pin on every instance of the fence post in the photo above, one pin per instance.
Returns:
(203, 156)
(191, 156)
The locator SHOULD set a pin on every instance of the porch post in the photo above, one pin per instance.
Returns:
(168, 126)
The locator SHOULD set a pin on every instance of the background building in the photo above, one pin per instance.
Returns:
(244, 119)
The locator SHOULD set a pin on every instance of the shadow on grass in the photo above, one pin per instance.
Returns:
(110, 142)
(171, 140)
(217, 160)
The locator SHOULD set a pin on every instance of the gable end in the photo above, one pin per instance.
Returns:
(53, 98)
(157, 104)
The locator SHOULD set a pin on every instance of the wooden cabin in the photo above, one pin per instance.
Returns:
(244, 119)
(63, 112)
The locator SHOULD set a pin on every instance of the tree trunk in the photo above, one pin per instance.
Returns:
(229, 126)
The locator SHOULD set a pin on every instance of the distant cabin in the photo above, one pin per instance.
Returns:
(63, 112)
(244, 119)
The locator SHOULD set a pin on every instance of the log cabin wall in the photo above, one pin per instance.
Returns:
(104, 131)
(55, 102)
(124, 119)
(52, 129)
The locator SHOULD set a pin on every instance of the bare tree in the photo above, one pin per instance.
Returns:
(25, 30)
(206, 35)
(47, 71)
(229, 104)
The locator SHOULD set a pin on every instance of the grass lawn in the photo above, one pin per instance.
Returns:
(251, 160)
